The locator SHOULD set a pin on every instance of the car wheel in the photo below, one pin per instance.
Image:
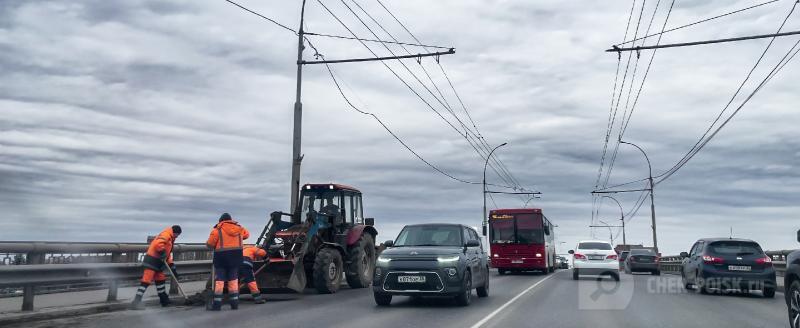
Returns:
(465, 297)
(483, 291)
(701, 284)
(657, 273)
(794, 304)
(575, 274)
(686, 284)
(769, 292)
(382, 299)
(615, 276)
(501, 272)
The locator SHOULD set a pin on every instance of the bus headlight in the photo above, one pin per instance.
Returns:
(538, 254)
(496, 255)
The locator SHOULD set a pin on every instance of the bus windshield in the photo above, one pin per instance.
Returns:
(517, 229)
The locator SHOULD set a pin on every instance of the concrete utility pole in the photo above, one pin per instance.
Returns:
(652, 194)
(297, 134)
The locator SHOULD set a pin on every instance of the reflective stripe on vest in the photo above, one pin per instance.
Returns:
(221, 243)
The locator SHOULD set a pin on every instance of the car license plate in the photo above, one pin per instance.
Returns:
(739, 268)
(411, 279)
(516, 261)
(596, 257)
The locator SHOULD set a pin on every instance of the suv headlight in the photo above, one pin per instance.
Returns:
(448, 259)
(383, 259)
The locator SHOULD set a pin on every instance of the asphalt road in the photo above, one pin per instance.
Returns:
(525, 300)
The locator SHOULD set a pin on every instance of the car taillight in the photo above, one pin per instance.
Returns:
(766, 260)
(633, 258)
(712, 259)
(579, 256)
(611, 257)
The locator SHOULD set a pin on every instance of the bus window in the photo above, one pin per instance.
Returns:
(502, 231)
(529, 229)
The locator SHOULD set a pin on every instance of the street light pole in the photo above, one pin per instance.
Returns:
(621, 218)
(610, 234)
(652, 194)
(484, 185)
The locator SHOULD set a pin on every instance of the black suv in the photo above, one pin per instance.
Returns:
(432, 260)
(792, 284)
(727, 263)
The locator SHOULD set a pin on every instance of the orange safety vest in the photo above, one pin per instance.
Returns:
(252, 253)
(163, 243)
(227, 235)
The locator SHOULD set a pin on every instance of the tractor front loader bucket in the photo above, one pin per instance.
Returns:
(275, 276)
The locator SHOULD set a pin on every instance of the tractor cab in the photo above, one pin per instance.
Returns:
(326, 240)
(339, 202)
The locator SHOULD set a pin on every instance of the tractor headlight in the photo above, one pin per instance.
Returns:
(448, 259)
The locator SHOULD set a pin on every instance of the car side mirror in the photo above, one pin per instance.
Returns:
(473, 243)
(571, 251)
(798, 236)
(388, 243)
(369, 221)
(684, 254)
(484, 232)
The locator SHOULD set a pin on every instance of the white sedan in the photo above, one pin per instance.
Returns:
(594, 257)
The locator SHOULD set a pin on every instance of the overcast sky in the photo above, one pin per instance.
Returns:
(118, 118)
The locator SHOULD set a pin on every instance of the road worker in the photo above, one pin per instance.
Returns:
(158, 256)
(251, 254)
(226, 240)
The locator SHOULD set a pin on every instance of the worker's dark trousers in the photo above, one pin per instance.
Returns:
(226, 271)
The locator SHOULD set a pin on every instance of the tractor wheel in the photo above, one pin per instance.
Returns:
(328, 271)
(362, 262)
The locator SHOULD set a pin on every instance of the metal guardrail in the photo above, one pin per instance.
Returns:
(40, 264)
(674, 263)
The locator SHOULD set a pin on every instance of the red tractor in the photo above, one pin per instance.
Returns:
(326, 239)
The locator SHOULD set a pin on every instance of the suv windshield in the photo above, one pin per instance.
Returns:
(430, 235)
(599, 246)
(734, 248)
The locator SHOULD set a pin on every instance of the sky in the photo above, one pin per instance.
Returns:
(118, 119)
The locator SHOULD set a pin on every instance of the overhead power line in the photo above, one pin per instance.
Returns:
(262, 16)
(469, 135)
(455, 92)
(695, 23)
(371, 40)
(318, 55)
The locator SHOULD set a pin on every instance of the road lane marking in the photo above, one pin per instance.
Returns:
(501, 308)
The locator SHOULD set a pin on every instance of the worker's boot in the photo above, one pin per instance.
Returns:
(163, 298)
(234, 301)
(216, 303)
(258, 299)
(137, 300)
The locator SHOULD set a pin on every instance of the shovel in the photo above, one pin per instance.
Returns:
(186, 300)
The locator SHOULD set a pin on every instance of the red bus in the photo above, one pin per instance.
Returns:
(521, 240)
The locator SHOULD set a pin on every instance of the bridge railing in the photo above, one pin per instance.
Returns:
(36, 266)
(673, 263)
